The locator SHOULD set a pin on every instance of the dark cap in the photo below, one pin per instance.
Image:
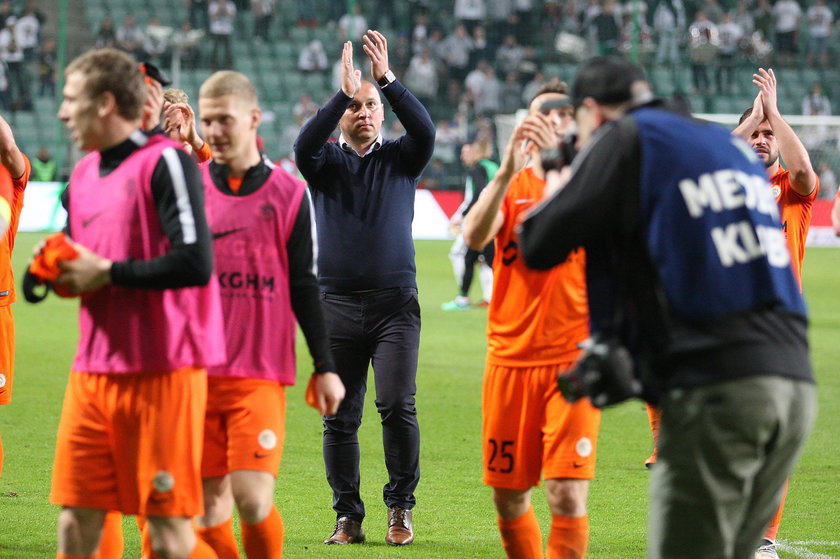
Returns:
(151, 71)
(607, 79)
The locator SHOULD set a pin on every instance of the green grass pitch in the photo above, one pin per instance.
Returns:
(454, 517)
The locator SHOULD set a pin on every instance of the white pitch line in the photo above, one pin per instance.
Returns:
(797, 549)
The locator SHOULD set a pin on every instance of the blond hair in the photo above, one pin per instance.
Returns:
(114, 71)
(228, 82)
(173, 95)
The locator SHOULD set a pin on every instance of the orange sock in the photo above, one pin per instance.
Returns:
(773, 528)
(221, 539)
(202, 551)
(264, 540)
(569, 537)
(521, 537)
(654, 415)
(111, 543)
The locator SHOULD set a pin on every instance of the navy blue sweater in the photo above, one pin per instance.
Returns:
(364, 206)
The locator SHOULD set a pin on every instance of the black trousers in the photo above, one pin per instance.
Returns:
(381, 328)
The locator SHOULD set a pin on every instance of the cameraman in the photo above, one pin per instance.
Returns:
(687, 262)
(535, 322)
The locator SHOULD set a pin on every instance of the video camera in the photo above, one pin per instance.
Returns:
(604, 373)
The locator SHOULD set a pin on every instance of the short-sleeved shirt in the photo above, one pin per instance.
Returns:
(7, 244)
(535, 317)
(795, 213)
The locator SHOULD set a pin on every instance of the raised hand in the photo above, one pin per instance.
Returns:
(376, 47)
(766, 82)
(351, 79)
(179, 123)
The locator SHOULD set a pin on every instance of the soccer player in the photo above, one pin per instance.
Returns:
(14, 175)
(264, 252)
(795, 189)
(727, 347)
(363, 191)
(535, 321)
(130, 434)
(480, 170)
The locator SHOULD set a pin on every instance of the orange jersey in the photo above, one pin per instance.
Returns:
(7, 280)
(535, 317)
(795, 214)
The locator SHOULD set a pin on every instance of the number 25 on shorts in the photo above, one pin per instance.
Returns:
(501, 459)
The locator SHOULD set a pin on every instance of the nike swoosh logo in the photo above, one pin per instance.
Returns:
(258, 455)
(88, 221)
(221, 234)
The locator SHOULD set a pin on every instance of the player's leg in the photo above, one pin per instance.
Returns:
(7, 362)
(215, 526)
(457, 256)
(79, 530)
(470, 260)
(262, 525)
(570, 437)
(341, 443)
(654, 416)
(395, 316)
(256, 431)
(512, 455)
(111, 544)
(173, 537)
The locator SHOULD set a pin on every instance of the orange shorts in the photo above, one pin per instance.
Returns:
(245, 426)
(7, 353)
(528, 428)
(132, 443)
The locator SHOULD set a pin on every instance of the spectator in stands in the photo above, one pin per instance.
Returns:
(106, 37)
(44, 167)
(352, 26)
(744, 18)
(222, 14)
(763, 17)
(498, 11)
(312, 58)
(828, 181)
(6, 11)
(730, 34)
(46, 69)
(820, 18)
(305, 11)
(511, 96)
(524, 13)
(510, 54)
(434, 175)
(815, 103)
(481, 47)
(304, 108)
(786, 14)
(420, 33)
(130, 37)
(185, 44)
(713, 11)
(421, 77)
(456, 49)
(199, 12)
(5, 94)
(475, 79)
(383, 9)
(668, 21)
(156, 42)
(531, 88)
(607, 28)
(488, 98)
(399, 55)
(264, 11)
(12, 55)
(28, 32)
(470, 13)
(588, 30)
(703, 42)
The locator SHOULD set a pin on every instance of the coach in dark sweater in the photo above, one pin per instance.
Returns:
(363, 192)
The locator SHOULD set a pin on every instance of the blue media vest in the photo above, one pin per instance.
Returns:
(713, 231)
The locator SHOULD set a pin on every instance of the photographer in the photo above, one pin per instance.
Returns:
(689, 268)
(535, 322)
